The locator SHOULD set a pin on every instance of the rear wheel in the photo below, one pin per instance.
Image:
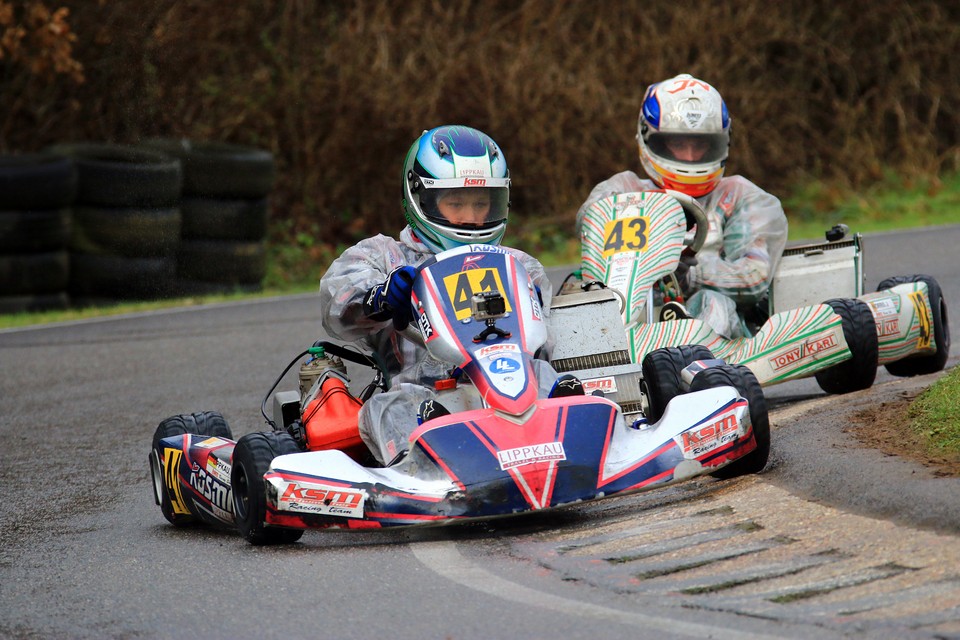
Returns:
(251, 459)
(920, 365)
(860, 333)
(661, 370)
(745, 382)
(204, 423)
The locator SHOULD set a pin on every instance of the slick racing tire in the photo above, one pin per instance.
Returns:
(860, 333)
(36, 181)
(35, 231)
(920, 365)
(34, 273)
(224, 261)
(218, 169)
(121, 176)
(205, 423)
(661, 370)
(251, 459)
(745, 382)
(224, 219)
(133, 232)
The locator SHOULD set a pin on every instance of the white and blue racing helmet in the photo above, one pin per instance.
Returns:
(677, 112)
(463, 166)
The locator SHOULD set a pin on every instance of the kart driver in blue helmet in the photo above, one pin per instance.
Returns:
(365, 294)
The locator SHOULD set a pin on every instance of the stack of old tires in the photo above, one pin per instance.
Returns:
(35, 194)
(224, 212)
(126, 223)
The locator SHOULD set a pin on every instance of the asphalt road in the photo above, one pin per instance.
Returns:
(819, 546)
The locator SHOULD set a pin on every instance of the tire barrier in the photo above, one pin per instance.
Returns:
(126, 223)
(224, 212)
(96, 223)
(35, 221)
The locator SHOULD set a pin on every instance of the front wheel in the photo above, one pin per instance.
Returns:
(860, 333)
(920, 365)
(745, 382)
(251, 459)
(661, 370)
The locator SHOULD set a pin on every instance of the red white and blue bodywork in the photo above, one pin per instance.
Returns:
(503, 450)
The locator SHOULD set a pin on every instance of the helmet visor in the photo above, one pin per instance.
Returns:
(466, 207)
(689, 148)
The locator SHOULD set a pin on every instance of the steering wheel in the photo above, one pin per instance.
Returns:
(696, 217)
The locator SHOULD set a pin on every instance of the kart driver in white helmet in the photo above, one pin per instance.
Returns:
(684, 136)
(365, 294)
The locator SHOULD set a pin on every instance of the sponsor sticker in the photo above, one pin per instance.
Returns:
(426, 329)
(496, 349)
(607, 384)
(923, 316)
(809, 349)
(212, 489)
(210, 443)
(218, 469)
(532, 454)
(888, 327)
(700, 440)
(171, 463)
(885, 306)
(504, 365)
(308, 497)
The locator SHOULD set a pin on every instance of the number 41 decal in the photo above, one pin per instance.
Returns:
(625, 234)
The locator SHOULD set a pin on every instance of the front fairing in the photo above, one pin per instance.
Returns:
(499, 363)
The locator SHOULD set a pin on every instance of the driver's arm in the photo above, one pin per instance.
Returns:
(754, 236)
(347, 281)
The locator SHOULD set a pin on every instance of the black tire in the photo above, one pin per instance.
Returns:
(219, 169)
(222, 219)
(205, 423)
(222, 261)
(661, 370)
(35, 303)
(38, 231)
(860, 332)
(202, 423)
(924, 364)
(136, 232)
(122, 176)
(120, 277)
(745, 382)
(251, 459)
(37, 181)
(36, 273)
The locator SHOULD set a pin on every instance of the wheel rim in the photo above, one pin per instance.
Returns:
(241, 497)
(157, 474)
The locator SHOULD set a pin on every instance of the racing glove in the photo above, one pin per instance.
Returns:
(391, 299)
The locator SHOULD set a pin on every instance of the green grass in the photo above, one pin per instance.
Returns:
(893, 203)
(935, 416)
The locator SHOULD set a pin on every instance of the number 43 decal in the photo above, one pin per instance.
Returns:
(625, 234)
